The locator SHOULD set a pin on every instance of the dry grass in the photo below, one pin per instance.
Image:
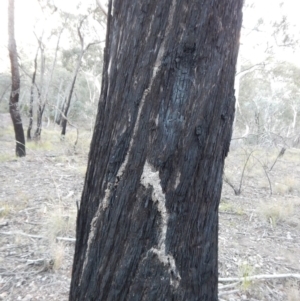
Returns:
(229, 207)
(60, 222)
(7, 157)
(276, 212)
(5, 209)
(58, 254)
(292, 155)
(41, 145)
(245, 270)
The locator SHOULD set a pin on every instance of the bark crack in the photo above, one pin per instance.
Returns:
(150, 178)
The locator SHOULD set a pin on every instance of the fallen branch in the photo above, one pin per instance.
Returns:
(22, 234)
(69, 239)
(259, 277)
(36, 262)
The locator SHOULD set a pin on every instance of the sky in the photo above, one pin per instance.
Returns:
(254, 43)
(28, 19)
(27, 15)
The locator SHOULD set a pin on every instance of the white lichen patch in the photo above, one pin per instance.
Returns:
(150, 178)
(102, 206)
(177, 179)
(156, 120)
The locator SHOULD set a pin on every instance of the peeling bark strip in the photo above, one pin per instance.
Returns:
(147, 227)
(15, 86)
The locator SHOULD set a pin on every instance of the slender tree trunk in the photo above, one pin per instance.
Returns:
(40, 103)
(44, 96)
(15, 87)
(67, 102)
(32, 96)
(147, 227)
(58, 101)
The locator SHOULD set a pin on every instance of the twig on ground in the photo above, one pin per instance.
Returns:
(3, 224)
(69, 239)
(40, 261)
(238, 280)
(259, 277)
(22, 234)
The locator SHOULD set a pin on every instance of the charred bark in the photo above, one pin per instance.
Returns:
(147, 227)
(15, 86)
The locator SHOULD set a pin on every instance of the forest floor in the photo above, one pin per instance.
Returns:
(259, 232)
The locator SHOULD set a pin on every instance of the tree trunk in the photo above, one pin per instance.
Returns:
(57, 110)
(32, 96)
(15, 87)
(43, 99)
(147, 227)
(67, 102)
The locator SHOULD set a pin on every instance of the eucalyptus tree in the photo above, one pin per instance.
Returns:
(147, 226)
(83, 49)
(40, 89)
(266, 40)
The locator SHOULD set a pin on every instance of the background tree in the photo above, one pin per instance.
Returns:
(15, 86)
(267, 103)
(147, 227)
(67, 102)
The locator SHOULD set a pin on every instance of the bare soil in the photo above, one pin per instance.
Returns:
(259, 232)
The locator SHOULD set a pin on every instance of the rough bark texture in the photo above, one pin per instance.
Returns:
(147, 227)
(15, 86)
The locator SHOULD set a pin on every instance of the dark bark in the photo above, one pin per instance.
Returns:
(15, 86)
(67, 102)
(147, 227)
(33, 85)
